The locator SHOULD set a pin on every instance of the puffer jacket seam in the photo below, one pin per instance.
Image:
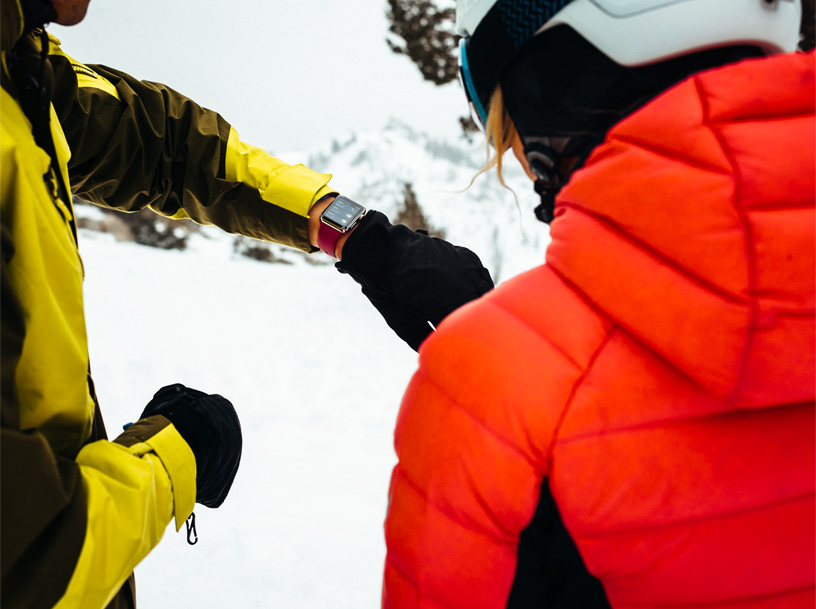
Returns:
(643, 246)
(718, 604)
(574, 391)
(777, 207)
(629, 335)
(450, 516)
(482, 424)
(748, 237)
(415, 586)
(389, 560)
(662, 423)
(760, 119)
(628, 530)
(672, 155)
(536, 331)
(805, 313)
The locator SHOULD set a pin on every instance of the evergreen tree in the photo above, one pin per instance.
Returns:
(412, 216)
(423, 32)
(426, 36)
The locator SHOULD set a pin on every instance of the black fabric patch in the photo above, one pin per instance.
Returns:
(44, 518)
(36, 13)
(550, 573)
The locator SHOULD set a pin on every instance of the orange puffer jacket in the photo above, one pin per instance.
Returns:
(658, 373)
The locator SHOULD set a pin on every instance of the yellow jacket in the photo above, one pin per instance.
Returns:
(74, 505)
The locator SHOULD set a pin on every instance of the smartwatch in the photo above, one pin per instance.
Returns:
(338, 218)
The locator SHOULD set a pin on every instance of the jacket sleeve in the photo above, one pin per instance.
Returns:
(133, 487)
(84, 521)
(88, 522)
(136, 144)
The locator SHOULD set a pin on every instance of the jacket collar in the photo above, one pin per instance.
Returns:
(20, 16)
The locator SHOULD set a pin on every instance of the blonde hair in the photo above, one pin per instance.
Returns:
(500, 131)
(499, 134)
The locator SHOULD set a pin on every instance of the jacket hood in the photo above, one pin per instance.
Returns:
(692, 227)
(20, 16)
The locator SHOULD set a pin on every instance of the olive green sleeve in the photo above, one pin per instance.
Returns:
(136, 144)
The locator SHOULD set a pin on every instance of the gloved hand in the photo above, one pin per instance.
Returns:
(209, 424)
(410, 277)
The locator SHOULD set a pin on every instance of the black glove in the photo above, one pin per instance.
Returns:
(209, 424)
(411, 278)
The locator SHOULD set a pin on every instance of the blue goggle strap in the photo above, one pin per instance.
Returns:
(470, 88)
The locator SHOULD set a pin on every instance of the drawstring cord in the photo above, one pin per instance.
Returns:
(192, 534)
(45, 45)
(17, 68)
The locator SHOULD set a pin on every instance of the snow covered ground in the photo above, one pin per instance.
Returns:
(316, 377)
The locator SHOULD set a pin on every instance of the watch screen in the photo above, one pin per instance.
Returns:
(342, 213)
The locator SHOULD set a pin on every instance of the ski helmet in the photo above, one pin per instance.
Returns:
(630, 32)
(635, 32)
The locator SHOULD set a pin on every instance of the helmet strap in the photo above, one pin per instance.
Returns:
(543, 159)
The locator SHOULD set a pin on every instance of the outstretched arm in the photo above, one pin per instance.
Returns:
(137, 144)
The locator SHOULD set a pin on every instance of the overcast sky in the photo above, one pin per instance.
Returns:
(287, 74)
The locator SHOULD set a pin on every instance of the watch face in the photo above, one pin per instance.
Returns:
(342, 213)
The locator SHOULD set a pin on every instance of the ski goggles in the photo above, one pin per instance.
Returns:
(477, 109)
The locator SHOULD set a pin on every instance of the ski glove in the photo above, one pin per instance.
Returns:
(209, 424)
(411, 278)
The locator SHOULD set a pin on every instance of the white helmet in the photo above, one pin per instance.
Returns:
(638, 32)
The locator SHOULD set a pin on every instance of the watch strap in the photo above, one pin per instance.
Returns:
(327, 238)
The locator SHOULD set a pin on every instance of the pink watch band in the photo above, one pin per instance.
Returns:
(327, 238)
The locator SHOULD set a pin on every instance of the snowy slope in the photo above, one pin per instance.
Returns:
(374, 167)
(313, 370)
(316, 378)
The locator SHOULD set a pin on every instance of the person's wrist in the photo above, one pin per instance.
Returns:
(314, 217)
(332, 220)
